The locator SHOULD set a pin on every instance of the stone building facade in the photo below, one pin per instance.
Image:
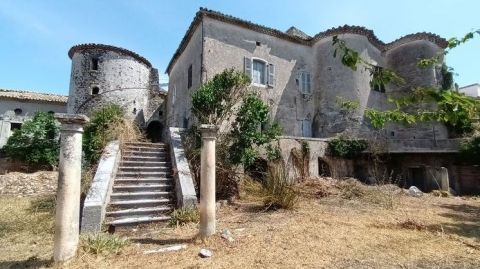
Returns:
(18, 106)
(298, 75)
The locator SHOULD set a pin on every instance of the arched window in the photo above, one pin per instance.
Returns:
(95, 90)
(18, 111)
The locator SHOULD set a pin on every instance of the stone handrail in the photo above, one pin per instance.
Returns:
(98, 195)
(184, 186)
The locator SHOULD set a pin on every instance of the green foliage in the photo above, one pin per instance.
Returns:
(346, 148)
(252, 128)
(470, 151)
(104, 244)
(273, 153)
(100, 130)
(447, 77)
(183, 216)
(214, 100)
(277, 191)
(37, 142)
(350, 58)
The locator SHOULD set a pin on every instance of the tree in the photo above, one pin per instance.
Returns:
(37, 142)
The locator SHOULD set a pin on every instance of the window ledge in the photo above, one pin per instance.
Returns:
(259, 85)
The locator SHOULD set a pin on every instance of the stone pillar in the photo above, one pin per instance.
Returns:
(207, 181)
(4, 132)
(67, 210)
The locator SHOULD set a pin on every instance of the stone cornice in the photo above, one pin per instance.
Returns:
(92, 46)
(308, 41)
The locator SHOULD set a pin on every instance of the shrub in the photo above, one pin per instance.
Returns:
(277, 191)
(183, 216)
(108, 123)
(346, 148)
(37, 142)
(470, 151)
(104, 244)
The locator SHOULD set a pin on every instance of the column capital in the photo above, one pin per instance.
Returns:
(208, 130)
(74, 119)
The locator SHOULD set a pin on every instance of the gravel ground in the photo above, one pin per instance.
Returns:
(24, 184)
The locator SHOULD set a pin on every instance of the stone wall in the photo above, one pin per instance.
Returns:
(179, 95)
(121, 79)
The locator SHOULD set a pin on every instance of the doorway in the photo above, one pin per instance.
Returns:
(154, 131)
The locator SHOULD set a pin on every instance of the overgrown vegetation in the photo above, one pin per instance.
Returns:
(346, 148)
(182, 216)
(102, 243)
(36, 143)
(226, 100)
(470, 151)
(456, 110)
(108, 123)
(301, 160)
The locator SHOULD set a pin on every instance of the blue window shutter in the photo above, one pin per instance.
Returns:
(271, 75)
(247, 67)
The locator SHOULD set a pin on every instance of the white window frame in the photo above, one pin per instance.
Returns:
(300, 82)
(265, 72)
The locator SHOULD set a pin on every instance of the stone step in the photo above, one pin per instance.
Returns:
(136, 220)
(145, 144)
(144, 149)
(144, 180)
(140, 203)
(134, 158)
(142, 187)
(143, 195)
(146, 169)
(140, 174)
(145, 163)
(129, 153)
(140, 211)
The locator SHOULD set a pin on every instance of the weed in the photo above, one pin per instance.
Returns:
(183, 216)
(277, 191)
(104, 244)
(45, 204)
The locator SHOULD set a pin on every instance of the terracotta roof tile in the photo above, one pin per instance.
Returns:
(33, 96)
(90, 46)
(296, 36)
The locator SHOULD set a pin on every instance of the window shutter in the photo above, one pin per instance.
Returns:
(271, 75)
(247, 67)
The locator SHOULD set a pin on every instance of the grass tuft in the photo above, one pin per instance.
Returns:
(104, 244)
(183, 216)
(277, 191)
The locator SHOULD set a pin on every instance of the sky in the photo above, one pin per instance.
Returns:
(35, 36)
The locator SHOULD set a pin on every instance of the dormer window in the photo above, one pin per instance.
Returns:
(94, 64)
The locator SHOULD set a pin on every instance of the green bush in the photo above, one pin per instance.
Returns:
(37, 142)
(346, 148)
(470, 151)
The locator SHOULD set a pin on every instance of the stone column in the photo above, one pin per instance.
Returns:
(207, 181)
(67, 210)
(4, 131)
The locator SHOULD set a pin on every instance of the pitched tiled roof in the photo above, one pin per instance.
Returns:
(32, 96)
(90, 46)
(297, 36)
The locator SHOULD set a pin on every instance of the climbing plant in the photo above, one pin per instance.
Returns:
(455, 109)
(346, 147)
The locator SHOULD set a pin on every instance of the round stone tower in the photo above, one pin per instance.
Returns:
(103, 74)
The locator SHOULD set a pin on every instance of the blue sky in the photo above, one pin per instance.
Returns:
(35, 36)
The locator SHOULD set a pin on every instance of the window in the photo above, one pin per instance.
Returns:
(95, 90)
(260, 71)
(307, 128)
(18, 111)
(94, 64)
(190, 73)
(258, 43)
(304, 82)
(377, 84)
(15, 126)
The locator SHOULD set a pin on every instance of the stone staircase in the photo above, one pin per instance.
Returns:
(143, 190)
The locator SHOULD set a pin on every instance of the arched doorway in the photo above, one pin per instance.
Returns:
(154, 131)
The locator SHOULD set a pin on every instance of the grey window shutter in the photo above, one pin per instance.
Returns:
(271, 75)
(247, 67)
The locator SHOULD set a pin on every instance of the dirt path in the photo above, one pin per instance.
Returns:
(382, 228)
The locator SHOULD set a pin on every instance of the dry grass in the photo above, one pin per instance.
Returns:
(325, 230)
